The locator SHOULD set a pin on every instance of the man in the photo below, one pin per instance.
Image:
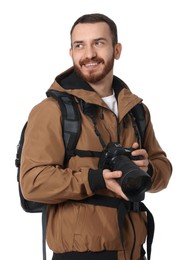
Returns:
(75, 229)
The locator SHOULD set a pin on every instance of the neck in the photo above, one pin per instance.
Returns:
(103, 87)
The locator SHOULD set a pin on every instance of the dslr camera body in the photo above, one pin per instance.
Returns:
(134, 181)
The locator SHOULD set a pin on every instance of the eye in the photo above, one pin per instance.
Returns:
(78, 46)
(99, 43)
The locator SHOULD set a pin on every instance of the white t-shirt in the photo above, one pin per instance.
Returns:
(111, 103)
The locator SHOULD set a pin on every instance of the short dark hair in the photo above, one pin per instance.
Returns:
(96, 18)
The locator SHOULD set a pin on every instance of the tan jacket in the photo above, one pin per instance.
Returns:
(74, 226)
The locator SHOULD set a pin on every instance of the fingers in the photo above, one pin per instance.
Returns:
(107, 174)
(111, 182)
(138, 152)
(143, 164)
(135, 145)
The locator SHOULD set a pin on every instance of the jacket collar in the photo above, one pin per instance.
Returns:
(71, 80)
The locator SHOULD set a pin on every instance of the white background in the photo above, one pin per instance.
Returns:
(34, 48)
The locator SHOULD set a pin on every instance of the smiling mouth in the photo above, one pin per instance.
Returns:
(91, 65)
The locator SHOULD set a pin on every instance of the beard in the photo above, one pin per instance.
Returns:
(92, 76)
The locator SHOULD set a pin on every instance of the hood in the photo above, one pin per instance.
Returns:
(70, 82)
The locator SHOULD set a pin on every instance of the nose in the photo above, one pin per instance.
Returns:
(90, 52)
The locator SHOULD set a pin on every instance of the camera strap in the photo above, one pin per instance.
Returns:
(124, 208)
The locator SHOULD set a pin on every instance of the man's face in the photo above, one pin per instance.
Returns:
(92, 51)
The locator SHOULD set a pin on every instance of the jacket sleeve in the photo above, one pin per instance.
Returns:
(43, 178)
(160, 167)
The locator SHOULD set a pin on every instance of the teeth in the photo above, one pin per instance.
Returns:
(90, 64)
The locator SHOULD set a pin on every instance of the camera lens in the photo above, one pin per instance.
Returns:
(134, 181)
(135, 184)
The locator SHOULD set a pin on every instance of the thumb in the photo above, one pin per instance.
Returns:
(135, 145)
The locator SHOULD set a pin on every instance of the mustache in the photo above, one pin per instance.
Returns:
(87, 60)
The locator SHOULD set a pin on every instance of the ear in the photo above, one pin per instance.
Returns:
(117, 51)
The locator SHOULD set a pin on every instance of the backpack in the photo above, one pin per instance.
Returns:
(71, 128)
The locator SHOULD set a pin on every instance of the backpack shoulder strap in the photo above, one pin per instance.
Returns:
(138, 116)
(71, 120)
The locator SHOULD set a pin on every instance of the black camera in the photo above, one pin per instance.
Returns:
(134, 181)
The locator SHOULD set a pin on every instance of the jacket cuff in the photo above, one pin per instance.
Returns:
(96, 180)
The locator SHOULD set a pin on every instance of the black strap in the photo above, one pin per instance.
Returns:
(137, 114)
(71, 120)
(150, 229)
(84, 153)
(44, 227)
(124, 207)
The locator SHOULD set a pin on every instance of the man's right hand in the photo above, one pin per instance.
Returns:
(111, 182)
